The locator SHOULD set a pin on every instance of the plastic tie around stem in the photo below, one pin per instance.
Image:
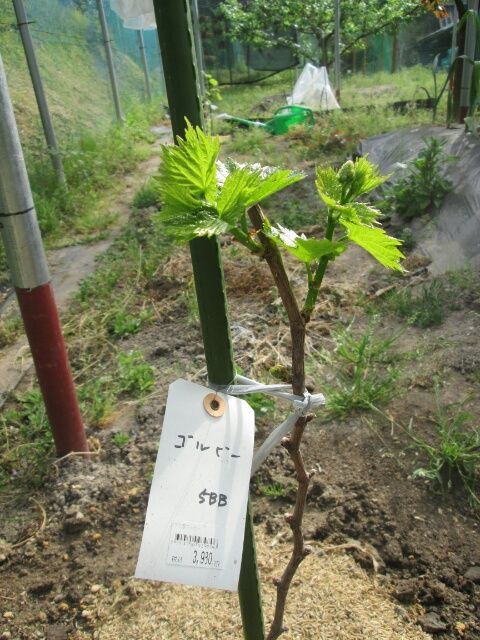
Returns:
(303, 405)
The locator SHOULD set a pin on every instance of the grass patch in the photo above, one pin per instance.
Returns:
(120, 439)
(366, 376)
(452, 453)
(424, 308)
(147, 196)
(464, 282)
(275, 490)
(104, 372)
(9, 330)
(262, 404)
(25, 439)
(428, 305)
(92, 163)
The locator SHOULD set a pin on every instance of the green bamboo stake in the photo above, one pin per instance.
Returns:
(181, 79)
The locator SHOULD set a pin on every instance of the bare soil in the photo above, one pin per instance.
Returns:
(409, 558)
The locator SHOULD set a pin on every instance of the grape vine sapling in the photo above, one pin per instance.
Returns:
(203, 197)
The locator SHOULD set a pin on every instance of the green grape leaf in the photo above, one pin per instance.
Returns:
(246, 185)
(358, 213)
(191, 165)
(305, 249)
(271, 181)
(363, 178)
(329, 186)
(193, 224)
(203, 197)
(381, 246)
(235, 191)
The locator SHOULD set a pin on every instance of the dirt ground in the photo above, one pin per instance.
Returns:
(392, 559)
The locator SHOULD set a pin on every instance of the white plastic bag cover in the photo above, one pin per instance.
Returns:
(313, 89)
(136, 14)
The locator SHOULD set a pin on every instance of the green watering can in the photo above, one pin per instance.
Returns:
(283, 118)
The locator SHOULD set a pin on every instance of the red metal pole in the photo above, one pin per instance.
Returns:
(42, 326)
(26, 260)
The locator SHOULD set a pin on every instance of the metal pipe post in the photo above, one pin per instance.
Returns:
(337, 49)
(33, 68)
(467, 70)
(109, 56)
(198, 46)
(143, 56)
(29, 274)
(181, 78)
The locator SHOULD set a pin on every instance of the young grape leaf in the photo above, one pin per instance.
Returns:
(358, 213)
(246, 185)
(193, 224)
(329, 186)
(305, 249)
(360, 177)
(203, 197)
(191, 165)
(381, 246)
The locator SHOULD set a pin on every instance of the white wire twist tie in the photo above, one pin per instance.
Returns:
(303, 405)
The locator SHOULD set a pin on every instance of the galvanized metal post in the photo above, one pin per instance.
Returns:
(143, 56)
(33, 68)
(198, 46)
(29, 274)
(177, 48)
(337, 49)
(108, 54)
(470, 49)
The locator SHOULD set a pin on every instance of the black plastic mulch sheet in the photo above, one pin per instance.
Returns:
(451, 235)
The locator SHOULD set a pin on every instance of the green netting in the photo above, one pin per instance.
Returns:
(416, 42)
(71, 56)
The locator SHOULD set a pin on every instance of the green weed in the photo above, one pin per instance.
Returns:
(97, 399)
(9, 330)
(147, 196)
(120, 439)
(135, 375)
(452, 455)
(124, 324)
(408, 239)
(262, 404)
(25, 439)
(423, 187)
(275, 490)
(425, 308)
(366, 377)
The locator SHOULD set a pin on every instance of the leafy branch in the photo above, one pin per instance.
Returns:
(204, 197)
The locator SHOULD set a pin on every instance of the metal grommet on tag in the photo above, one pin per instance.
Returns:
(214, 405)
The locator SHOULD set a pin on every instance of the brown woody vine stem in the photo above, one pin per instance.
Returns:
(292, 442)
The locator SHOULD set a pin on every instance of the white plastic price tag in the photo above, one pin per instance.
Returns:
(198, 499)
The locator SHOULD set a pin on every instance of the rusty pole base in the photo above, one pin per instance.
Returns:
(42, 326)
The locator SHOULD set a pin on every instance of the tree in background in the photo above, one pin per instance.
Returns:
(267, 23)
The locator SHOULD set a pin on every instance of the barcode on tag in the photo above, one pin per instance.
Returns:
(191, 545)
(201, 541)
